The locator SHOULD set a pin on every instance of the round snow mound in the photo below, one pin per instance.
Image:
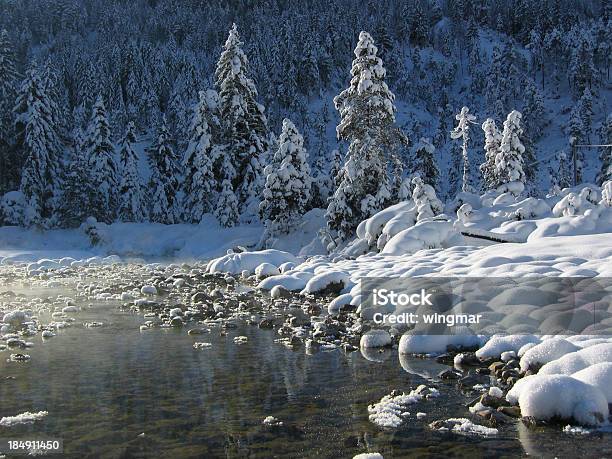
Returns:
(544, 397)
(266, 270)
(375, 338)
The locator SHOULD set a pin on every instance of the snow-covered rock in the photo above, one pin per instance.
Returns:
(579, 360)
(266, 270)
(545, 396)
(546, 351)
(503, 343)
(598, 375)
(326, 279)
(435, 344)
(375, 338)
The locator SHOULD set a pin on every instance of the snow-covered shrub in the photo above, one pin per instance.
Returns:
(465, 213)
(606, 194)
(424, 196)
(400, 222)
(12, 207)
(530, 208)
(577, 203)
(91, 228)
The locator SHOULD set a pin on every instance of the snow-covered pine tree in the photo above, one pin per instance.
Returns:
(102, 166)
(492, 143)
(425, 162)
(586, 112)
(9, 174)
(455, 170)
(425, 199)
(226, 211)
(322, 182)
(246, 127)
(367, 114)
(462, 130)
(41, 147)
(561, 175)
(77, 189)
(165, 174)
(182, 98)
(534, 112)
(132, 199)
(509, 159)
(287, 190)
(577, 135)
(202, 159)
(335, 167)
(581, 70)
(605, 153)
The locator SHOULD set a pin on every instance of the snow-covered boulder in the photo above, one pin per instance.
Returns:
(15, 318)
(375, 338)
(545, 352)
(293, 282)
(502, 343)
(576, 361)
(339, 302)
(544, 397)
(266, 270)
(435, 344)
(598, 375)
(337, 279)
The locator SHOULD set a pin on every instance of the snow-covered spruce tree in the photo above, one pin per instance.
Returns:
(424, 197)
(561, 172)
(202, 159)
(8, 80)
(534, 112)
(509, 159)
(335, 167)
(287, 190)
(246, 127)
(77, 189)
(102, 167)
(40, 145)
(132, 199)
(577, 135)
(367, 113)
(226, 211)
(582, 72)
(586, 112)
(164, 184)
(182, 97)
(605, 155)
(322, 182)
(425, 162)
(492, 143)
(462, 130)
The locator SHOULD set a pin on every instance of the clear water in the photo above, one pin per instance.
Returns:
(103, 387)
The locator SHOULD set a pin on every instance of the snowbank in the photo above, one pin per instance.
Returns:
(236, 263)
